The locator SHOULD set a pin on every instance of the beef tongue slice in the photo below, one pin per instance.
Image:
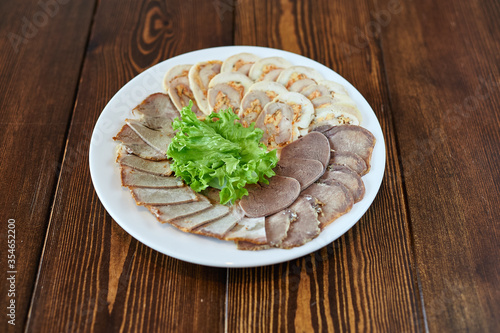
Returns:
(347, 177)
(312, 146)
(351, 160)
(352, 138)
(304, 171)
(305, 227)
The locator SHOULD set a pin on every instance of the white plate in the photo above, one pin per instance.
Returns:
(142, 225)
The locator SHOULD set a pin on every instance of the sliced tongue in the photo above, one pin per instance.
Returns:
(135, 178)
(305, 171)
(251, 230)
(168, 213)
(277, 226)
(313, 146)
(157, 112)
(160, 168)
(352, 138)
(351, 160)
(220, 227)
(305, 227)
(191, 222)
(347, 177)
(163, 196)
(159, 140)
(133, 144)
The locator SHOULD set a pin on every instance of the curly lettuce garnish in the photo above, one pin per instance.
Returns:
(219, 152)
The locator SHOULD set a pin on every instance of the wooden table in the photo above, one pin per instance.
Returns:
(425, 257)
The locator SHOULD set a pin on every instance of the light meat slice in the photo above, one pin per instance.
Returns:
(135, 178)
(277, 226)
(159, 140)
(191, 222)
(263, 200)
(171, 212)
(176, 83)
(276, 122)
(241, 63)
(163, 196)
(313, 146)
(305, 227)
(199, 76)
(352, 138)
(251, 230)
(347, 177)
(351, 160)
(157, 112)
(133, 144)
(330, 201)
(160, 168)
(220, 227)
(305, 171)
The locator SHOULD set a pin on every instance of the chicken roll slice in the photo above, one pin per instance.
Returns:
(295, 73)
(200, 76)
(241, 63)
(226, 90)
(176, 84)
(268, 69)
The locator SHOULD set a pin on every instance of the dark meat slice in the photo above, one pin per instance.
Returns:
(191, 222)
(346, 176)
(168, 213)
(159, 140)
(277, 226)
(163, 196)
(160, 168)
(312, 146)
(133, 144)
(352, 138)
(263, 200)
(305, 171)
(351, 160)
(330, 201)
(251, 230)
(305, 227)
(157, 112)
(220, 227)
(135, 178)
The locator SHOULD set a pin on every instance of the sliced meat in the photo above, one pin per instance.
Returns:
(251, 230)
(252, 105)
(157, 112)
(220, 227)
(163, 196)
(133, 144)
(135, 178)
(176, 83)
(352, 138)
(263, 200)
(330, 201)
(199, 76)
(246, 246)
(159, 140)
(277, 226)
(305, 227)
(168, 213)
(160, 168)
(191, 222)
(276, 122)
(313, 146)
(347, 177)
(351, 160)
(305, 171)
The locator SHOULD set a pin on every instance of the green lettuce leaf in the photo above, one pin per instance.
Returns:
(219, 152)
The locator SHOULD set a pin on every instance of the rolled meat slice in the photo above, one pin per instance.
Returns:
(251, 230)
(347, 177)
(351, 160)
(199, 77)
(295, 73)
(335, 115)
(303, 110)
(257, 97)
(135, 178)
(305, 171)
(163, 196)
(305, 227)
(176, 84)
(167, 213)
(352, 138)
(160, 168)
(134, 144)
(226, 90)
(191, 222)
(300, 85)
(328, 100)
(313, 146)
(267, 199)
(330, 201)
(241, 63)
(157, 112)
(324, 88)
(268, 69)
(276, 122)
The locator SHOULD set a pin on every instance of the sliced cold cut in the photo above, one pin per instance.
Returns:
(167, 213)
(267, 199)
(351, 160)
(191, 222)
(305, 227)
(220, 227)
(176, 84)
(250, 230)
(160, 168)
(133, 144)
(159, 140)
(304, 170)
(352, 138)
(346, 176)
(277, 226)
(276, 121)
(313, 146)
(157, 112)
(135, 178)
(161, 196)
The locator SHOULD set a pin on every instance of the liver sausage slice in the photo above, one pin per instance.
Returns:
(160, 168)
(251, 230)
(135, 178)
(163, 196)
(263, 200)
(312, 146)
(347, 177)
(157, 112)
(305, 171)
(330, 201)
(191, 222)
(351, 160)
(352, 138)
(305, 227)
(170, 212)
(133, 144)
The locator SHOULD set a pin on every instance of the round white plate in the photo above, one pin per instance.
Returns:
(142, 225)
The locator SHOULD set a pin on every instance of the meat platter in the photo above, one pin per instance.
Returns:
(142, 221)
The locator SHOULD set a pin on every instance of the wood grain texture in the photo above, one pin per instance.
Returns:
(442, 62)
(364, 281)
(37, 45)
(95, 277)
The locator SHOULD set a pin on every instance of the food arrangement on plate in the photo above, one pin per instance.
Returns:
(251, 150)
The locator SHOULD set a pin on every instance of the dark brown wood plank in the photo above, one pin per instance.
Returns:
(42, 52)
(442, 61)
(364, 281)
(95, 277)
